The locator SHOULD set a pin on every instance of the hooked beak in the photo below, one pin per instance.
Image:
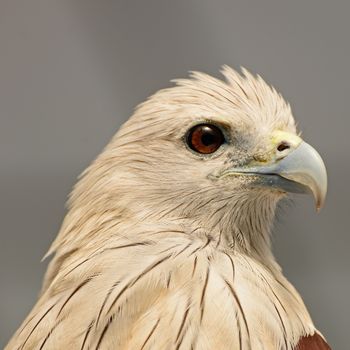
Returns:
(298, 169)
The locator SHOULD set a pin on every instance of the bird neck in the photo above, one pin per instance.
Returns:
(241, 225)
(248, 234)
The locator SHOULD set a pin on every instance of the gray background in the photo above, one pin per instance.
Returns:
(72, 71)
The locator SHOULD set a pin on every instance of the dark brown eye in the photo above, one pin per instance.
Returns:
(205, 138)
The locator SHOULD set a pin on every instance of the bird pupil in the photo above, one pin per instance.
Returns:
(208, 139)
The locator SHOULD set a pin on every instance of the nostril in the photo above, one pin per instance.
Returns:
(283, 146)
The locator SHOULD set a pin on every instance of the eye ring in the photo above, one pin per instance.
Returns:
(205, 138)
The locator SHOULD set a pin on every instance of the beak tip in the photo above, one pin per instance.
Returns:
(319, 204)
(320, 201)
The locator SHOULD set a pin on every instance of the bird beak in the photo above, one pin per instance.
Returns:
(295, 167)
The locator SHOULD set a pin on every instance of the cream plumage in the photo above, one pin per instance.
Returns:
(165, 247)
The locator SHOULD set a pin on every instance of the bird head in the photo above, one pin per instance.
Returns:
(219, 154)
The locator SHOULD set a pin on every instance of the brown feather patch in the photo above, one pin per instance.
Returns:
(312, 342)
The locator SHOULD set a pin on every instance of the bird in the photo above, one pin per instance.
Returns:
(166, 243)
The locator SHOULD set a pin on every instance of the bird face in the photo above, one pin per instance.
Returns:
(205, 147)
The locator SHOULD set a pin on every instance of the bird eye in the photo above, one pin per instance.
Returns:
(205, 138)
